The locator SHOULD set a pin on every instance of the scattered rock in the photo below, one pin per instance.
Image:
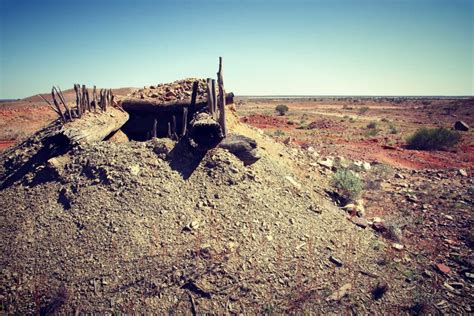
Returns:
(379, 290)
(399, 176)
(463, 172)
(192, 226)
(242, 147)
(397, 246)
(441, 267)
(119, 137)
(394, 232)
(360, 221)
(427, 274)
(341, 162)
(293, 182)
(340, 293)
(379, 227)
(461, 126)
(366, 166)
(336, 261)
(326, 162)
(134, 169)
(315, 208)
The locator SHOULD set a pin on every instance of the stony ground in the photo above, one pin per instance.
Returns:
(153, 227)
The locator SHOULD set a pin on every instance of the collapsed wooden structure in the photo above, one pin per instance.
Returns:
(200, 117)
(83, 102)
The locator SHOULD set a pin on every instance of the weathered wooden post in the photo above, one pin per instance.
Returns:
(63, 100)
(220, 81)
(214, 99)
(78, 100)
(210, 97)
(94, 99)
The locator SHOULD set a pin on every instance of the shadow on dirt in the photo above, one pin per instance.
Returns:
(184, 159)
(51, 147)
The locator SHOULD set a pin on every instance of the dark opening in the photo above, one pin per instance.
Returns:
(142, 125)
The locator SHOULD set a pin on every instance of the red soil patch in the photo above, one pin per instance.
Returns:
(265, 121)
(4, 144)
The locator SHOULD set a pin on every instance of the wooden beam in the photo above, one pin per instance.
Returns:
(153, 106)
(94, 126)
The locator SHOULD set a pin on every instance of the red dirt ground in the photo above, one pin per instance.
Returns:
(326, 127)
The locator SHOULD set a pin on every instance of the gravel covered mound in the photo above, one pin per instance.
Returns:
(153, 227)
(173, 91)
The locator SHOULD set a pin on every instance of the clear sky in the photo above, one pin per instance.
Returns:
(270, 47)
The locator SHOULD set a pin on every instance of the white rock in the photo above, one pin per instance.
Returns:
(397, 246)
(326, 162)
(293, 182)
(134, 169)
(463, 172)
(366, 166)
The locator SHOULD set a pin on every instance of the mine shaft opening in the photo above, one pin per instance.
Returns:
(206, 136)
(144, 125)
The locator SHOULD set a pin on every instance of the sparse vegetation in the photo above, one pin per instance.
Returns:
(281, 109)
(279, 132)
(348, 184)
(371, 132)
(363, 110)
(433, 139)
(392, 129)
(372, 125)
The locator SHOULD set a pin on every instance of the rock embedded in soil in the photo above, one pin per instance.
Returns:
(360, 221)
(338, 262)
(379, 290)
(461, 126)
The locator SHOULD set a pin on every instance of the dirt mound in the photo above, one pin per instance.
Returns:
(155, 227)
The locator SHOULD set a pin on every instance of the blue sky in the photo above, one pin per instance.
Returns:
(368, 47)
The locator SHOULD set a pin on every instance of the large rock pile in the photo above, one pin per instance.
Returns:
(175, 91)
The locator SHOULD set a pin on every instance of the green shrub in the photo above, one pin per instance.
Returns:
(281, 109)
(279, 132)
(371, 132)
(348, 185)
(372, 125)
(433, 139)
(392, 129)
(363, 110)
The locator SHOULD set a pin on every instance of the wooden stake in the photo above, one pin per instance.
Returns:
(94, 99)
(78, 100)
(210, 97)
(52, 106)
(185, 121)
(214, 98)
(63, 100)
(56, 104)
(173, 128)
(155, 126)
(222, 95)
(192, 107)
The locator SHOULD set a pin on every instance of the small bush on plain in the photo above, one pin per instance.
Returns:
(372, 125)
(348, 185)
(433, 139)
(281, 109)
(363, 110)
